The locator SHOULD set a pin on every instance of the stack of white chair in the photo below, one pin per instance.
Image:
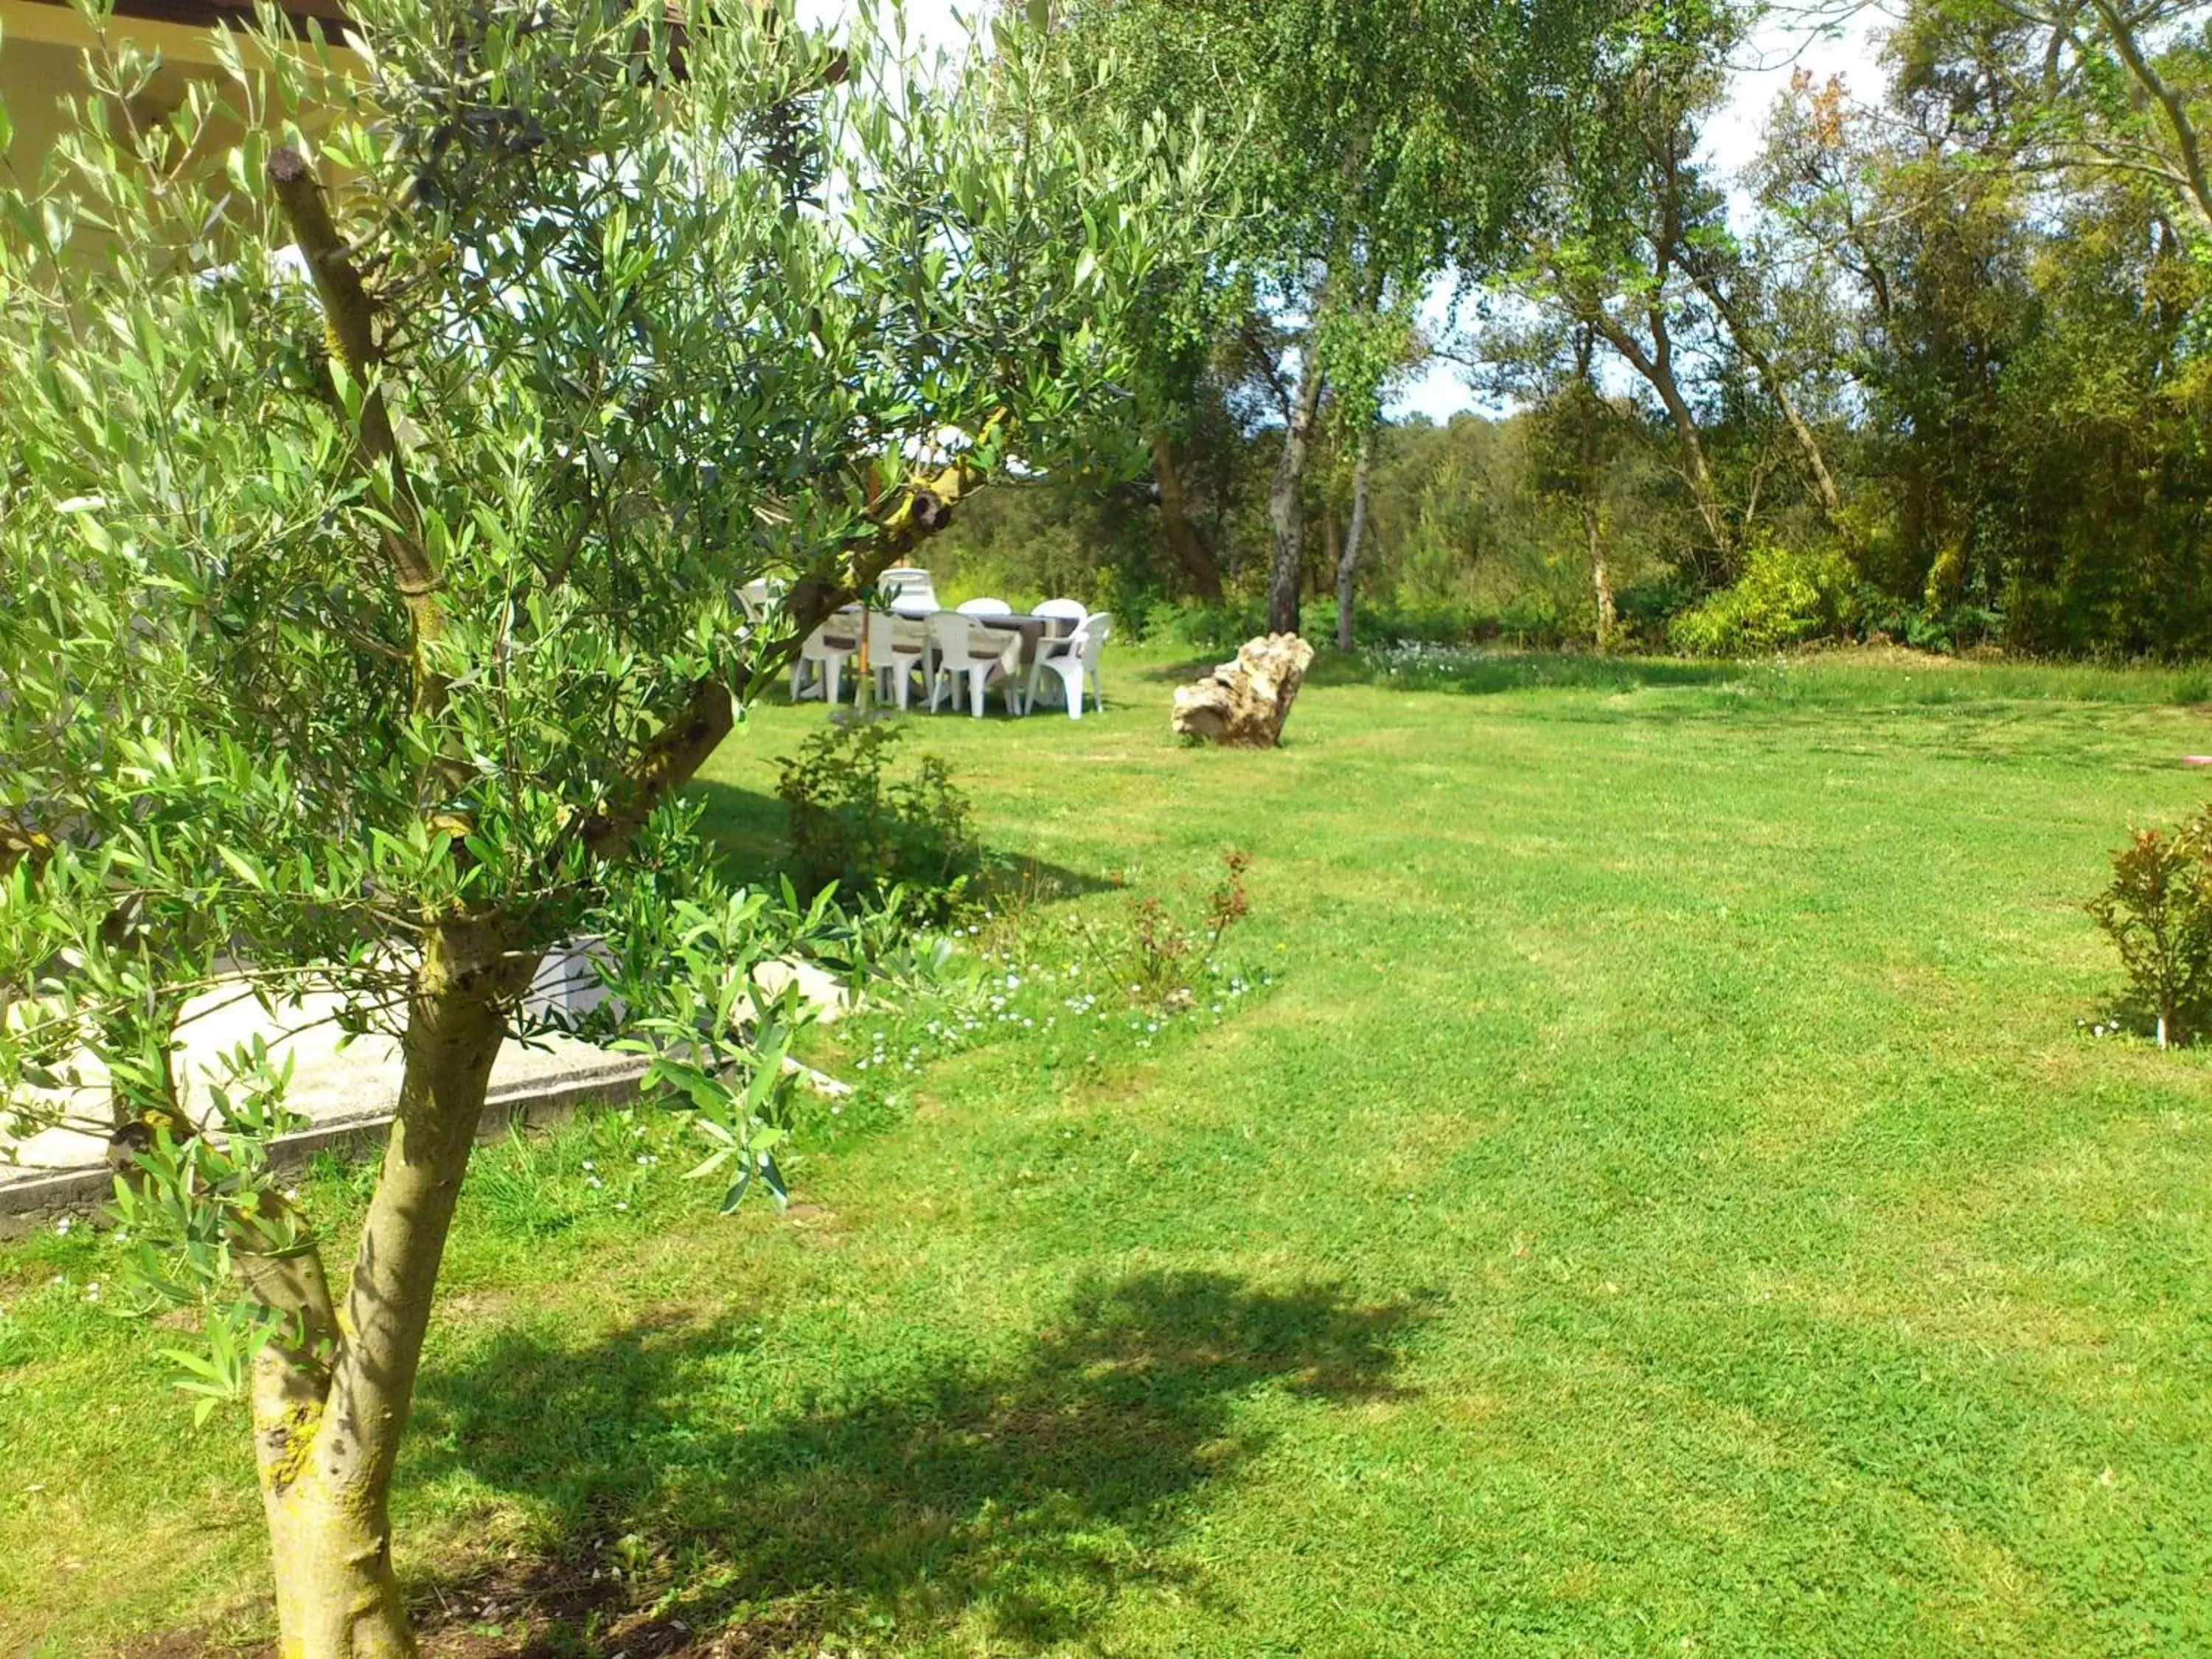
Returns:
(1067, 611)
(963, 646)
(898, 648)
(908, 590)
(819, 669)
(1074, 660)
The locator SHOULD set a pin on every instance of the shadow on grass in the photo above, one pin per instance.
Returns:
(1479, 671)
(750, 830)
(1476, 672)
(1021, 1496)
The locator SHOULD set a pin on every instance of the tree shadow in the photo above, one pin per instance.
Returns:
(1183, 672)
(748, 830)
(1022, 1496)
(1482, 672)
(1476, 670)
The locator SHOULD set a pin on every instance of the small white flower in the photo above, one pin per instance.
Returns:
(622, 1207)
(62, 1227)
(92, 1292)
(589, 1165)
(593, 1182)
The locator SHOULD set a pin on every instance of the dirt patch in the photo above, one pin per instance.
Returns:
(1887, 654)
(544, 1610)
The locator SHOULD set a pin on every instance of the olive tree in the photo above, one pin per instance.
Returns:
(389, 435)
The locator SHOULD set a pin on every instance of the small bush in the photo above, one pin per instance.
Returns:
(2159, 913)
(2193, 686)
(1784, 598)
(1162, 954)
(1643, 611)
(854, 822)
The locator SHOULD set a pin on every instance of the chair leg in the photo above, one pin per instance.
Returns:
(975, 679)
(833, 669)
(1070, 690)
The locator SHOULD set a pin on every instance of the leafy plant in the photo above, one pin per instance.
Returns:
(2157, 911)
(1784, 598)
(857, 824)
(1161, 951)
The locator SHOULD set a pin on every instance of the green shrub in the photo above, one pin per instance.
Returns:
(2193, 686)
(855, 823)
(1784, 598)
(1162, 953)
(2159, 913)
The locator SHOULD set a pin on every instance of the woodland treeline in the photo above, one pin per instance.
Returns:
(1931, 367)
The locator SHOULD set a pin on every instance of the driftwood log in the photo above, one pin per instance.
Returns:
(1242, 704)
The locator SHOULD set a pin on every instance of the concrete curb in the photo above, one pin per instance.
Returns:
(530, 1103)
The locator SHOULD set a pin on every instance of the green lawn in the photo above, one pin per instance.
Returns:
(1662, 1203)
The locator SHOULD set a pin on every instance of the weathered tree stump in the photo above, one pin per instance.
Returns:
(1242, 704)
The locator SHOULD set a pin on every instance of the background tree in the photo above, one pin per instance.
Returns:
(367, 626)
(1389, 142)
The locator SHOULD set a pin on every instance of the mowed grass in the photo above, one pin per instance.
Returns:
(1663, 1204)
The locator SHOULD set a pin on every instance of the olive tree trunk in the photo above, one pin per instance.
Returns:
(330, 1397)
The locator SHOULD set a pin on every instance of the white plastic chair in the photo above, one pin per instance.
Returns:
(1073, 609)
(1075, 660)
(909, 588)
(963, 647)
(986, 608)
(898, 647)
(753, 601)
(824, 654)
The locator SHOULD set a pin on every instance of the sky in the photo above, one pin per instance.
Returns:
(1807, 33)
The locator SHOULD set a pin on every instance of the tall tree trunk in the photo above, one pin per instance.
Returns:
(1601, 579)
(331, 1399)
(1190, 553)
(2186, 169)
(1656, 366)
(1777, 387)
(1808, 445)
(1347, 566)
(1287, 499)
